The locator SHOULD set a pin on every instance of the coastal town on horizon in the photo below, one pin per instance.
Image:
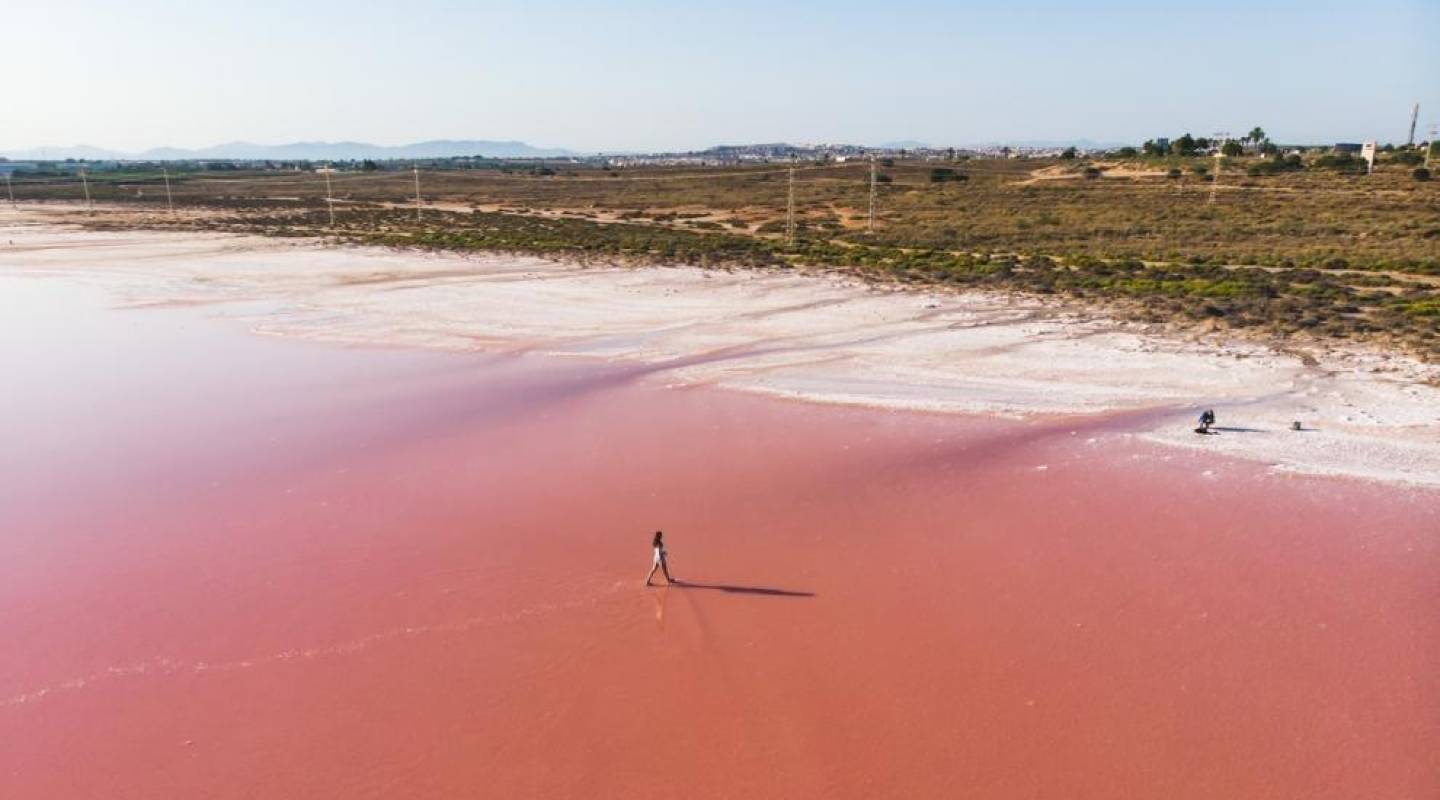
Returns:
(240, 153)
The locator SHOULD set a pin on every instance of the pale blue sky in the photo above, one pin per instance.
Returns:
(649, 75)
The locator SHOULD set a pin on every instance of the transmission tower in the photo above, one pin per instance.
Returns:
(329, 196)
(790, 211)
(1221, 137)
(870, 227)
(1414, 117)
(417, 194)
(169, 200)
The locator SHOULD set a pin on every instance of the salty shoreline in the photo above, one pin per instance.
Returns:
(238, 565)
(813, 337)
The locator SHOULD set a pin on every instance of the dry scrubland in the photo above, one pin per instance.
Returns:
(1314, 256)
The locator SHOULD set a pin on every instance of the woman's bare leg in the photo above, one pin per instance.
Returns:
(654, 567)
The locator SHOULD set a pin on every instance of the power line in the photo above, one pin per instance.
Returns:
(486, 176)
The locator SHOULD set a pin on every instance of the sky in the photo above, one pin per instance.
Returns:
(646, 76)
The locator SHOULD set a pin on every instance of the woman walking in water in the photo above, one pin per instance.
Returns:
(660, 563)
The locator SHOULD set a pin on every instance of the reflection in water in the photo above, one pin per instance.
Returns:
(660, 597)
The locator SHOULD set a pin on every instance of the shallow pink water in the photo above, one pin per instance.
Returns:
(240, 567)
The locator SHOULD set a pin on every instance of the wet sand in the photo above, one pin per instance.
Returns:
(236, 566)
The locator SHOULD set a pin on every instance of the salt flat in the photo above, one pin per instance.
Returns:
(814, 336)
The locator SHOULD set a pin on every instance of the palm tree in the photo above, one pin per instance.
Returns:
(1256, 135)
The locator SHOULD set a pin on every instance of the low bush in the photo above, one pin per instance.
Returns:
(1340, 162)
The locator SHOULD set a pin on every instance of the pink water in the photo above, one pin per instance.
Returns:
(233, 566)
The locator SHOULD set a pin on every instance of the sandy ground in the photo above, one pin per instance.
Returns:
(813, 337)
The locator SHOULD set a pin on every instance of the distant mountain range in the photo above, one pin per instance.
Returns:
(297, 151)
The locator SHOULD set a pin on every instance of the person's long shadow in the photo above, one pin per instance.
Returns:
(757, 590)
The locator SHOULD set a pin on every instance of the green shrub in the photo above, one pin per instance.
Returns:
(1340, 162)
(946, 175)
(1275, 166)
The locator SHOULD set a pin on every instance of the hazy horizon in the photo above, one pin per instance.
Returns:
(642, 76)
(90, 150)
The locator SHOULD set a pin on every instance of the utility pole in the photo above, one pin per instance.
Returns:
(329, 196)
(86, 183)
(417, 193)
(9, 187)
(169, 200)
(790, 211)
(1414, 117)
(1222, 138)
(1430, 145)
(870, 227)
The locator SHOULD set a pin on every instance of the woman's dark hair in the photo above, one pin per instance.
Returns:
(656, 542)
